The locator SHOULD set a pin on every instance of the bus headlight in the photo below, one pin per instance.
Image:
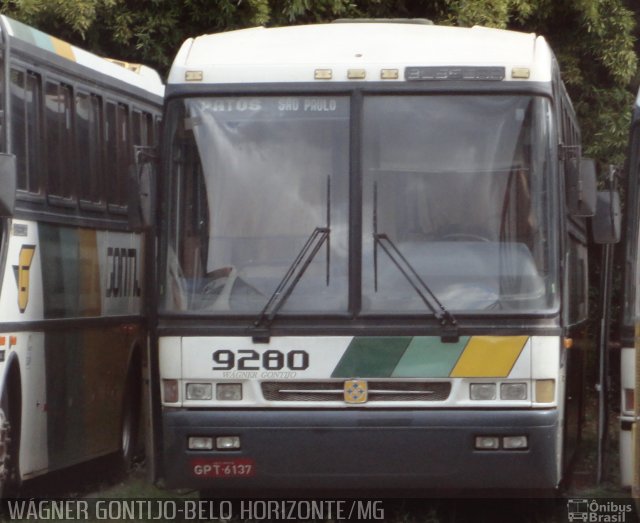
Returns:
(229, 391)
(487, 443)
(228, 442)
(482, 391)
(515, 443)
(513, 391)
(200, 443)
(199, 391)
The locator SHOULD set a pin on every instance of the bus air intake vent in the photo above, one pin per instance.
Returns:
(377, 390)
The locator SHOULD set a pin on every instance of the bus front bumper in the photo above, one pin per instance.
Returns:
(352, 450)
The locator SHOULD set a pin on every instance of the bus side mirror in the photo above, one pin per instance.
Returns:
(8, 175)
(141, 188)
(581, 186)
(606, 224)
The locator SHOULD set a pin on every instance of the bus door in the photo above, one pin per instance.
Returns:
(7, 202)
(7, 184)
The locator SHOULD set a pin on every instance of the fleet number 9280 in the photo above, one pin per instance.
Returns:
(248, 359)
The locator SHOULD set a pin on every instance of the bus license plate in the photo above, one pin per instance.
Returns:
(223, 468)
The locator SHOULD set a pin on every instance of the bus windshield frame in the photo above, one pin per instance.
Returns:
(485, 243)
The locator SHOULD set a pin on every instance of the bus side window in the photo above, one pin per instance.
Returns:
(136, 127)
(89, 124)
(119, 153)
(147, 129)
(142, 128)
(27, 143)
(59, 139)
(577, 278)
(3, 113)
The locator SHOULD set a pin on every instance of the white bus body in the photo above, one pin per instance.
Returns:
(631, 310)
(427, 334)
(71, 288)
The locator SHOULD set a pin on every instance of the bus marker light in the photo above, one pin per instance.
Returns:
(228, 442)
(482, 391)
(229, 391)
(193, 76)
(199, 391)
(200, 443)
(170, 391)
(3, 341)
(13, 341)
(356, 74)
(487, 443)
(323, 74)
(545, 391)
(515, 442)
(629, 400)
(513, 391)
(567, 343)
(389, 74)
(520, 73)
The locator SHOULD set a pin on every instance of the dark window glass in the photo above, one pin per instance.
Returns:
(25, 106)
(89, 141)
(136, 128)
(578, 282)
(118, 152)
(59, 133)
(142, 131)
(2, 112)
(19, 127)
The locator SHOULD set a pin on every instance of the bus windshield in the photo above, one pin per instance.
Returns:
(459, 184)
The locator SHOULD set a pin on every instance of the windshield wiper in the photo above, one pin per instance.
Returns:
(316, 239)
(445, 318)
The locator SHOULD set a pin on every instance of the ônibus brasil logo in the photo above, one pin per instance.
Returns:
(599, 511)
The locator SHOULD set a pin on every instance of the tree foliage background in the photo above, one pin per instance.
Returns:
(595, 40)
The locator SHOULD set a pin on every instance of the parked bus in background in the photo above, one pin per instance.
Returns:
(373, 261)
(71, 327)
(629, 333)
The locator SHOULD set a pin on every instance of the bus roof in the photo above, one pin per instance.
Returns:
(361, 52)
(142, 77)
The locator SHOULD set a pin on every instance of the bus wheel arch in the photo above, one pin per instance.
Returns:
(10, 427)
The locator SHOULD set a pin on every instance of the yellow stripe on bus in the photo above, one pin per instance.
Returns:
(63, 49)
(489, 357)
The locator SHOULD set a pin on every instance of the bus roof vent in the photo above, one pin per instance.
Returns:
(421, 21)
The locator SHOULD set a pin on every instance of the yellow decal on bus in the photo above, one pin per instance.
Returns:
(489, 356)
(63, 49)
(22, 274)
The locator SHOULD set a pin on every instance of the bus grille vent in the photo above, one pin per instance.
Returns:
(334, 390)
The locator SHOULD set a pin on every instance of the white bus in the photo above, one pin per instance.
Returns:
(71, 324)
(372, 263)
(630, 475)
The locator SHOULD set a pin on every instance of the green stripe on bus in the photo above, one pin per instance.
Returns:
(429, 357)
(371, 357)
(60, 255)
